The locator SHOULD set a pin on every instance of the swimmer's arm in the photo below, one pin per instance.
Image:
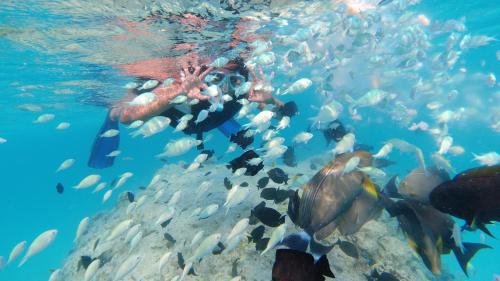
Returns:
(127, 114)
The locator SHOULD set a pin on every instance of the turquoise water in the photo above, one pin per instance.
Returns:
(36, 66)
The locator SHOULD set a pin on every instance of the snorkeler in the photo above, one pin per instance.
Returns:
(194, 79)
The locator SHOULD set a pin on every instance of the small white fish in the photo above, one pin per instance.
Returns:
(153, 126)
(136, 124)
(100, 187)
(457, 237)
(88, 181)
(302, 137)
(175, 198)
(55, 275)
(327, 113)
(201, 116)
(119, 229)
(489, 159)
(227, 98)
(203, 188)
(231, 148)
(149, 85)
(123, 178)
(266, 59)
(200, 158)
(284, 123)
(39, 244)
(82, 227)
(238, 228)
(132, 232)
(127, 267)
(110, 133)
(446, 143)
(219, 62)
(232, 243)
(276, 237)
(106, 196)
(194, 102)
(346, 144)
(91, 270)
(384, 151)
(238, 197)
(351, 164)
(158, 195)
(373, 172)
(297, 87)
(167, 82)
(154, 180)
(208, 211)
(179, 146)
(212, 91)
(243, 89)
(16, 252)
(261, 118)
(114, 153)
(131, 208)
(66, 164)
(143, 99)
(2, 140)
(163, 261)
(192, 167)
(165, 216)
(442, 163)
(240, 172)
(44, 118)
(456, 150)
(63, 126)
(255, 161)
(206, 247)
(275, 152)
(196, 211)
(131, 85)
(135, 241)
(196, 238)
(181, 126)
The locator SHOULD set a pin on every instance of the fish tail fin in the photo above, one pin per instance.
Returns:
(298, 241)
(391, 188)
(23, 261)
(319, 249)
(470, 249)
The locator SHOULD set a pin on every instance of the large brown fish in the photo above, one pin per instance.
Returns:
(419, 183)
(430, 234)
(473, 195)
(292, 265)
(329, 195)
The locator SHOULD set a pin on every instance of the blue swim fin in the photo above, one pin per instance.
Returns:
(230, 127)
(104, 146)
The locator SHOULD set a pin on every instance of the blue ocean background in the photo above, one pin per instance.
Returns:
(30, 205)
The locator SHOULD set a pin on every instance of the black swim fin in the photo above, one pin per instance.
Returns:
(103, 146)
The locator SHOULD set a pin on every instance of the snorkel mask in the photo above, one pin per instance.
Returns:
(226, 83)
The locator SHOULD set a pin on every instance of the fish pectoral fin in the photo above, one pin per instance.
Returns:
(413, 245)
(370, 187)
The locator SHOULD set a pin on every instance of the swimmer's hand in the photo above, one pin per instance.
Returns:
(261, 90)
(192, 83)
